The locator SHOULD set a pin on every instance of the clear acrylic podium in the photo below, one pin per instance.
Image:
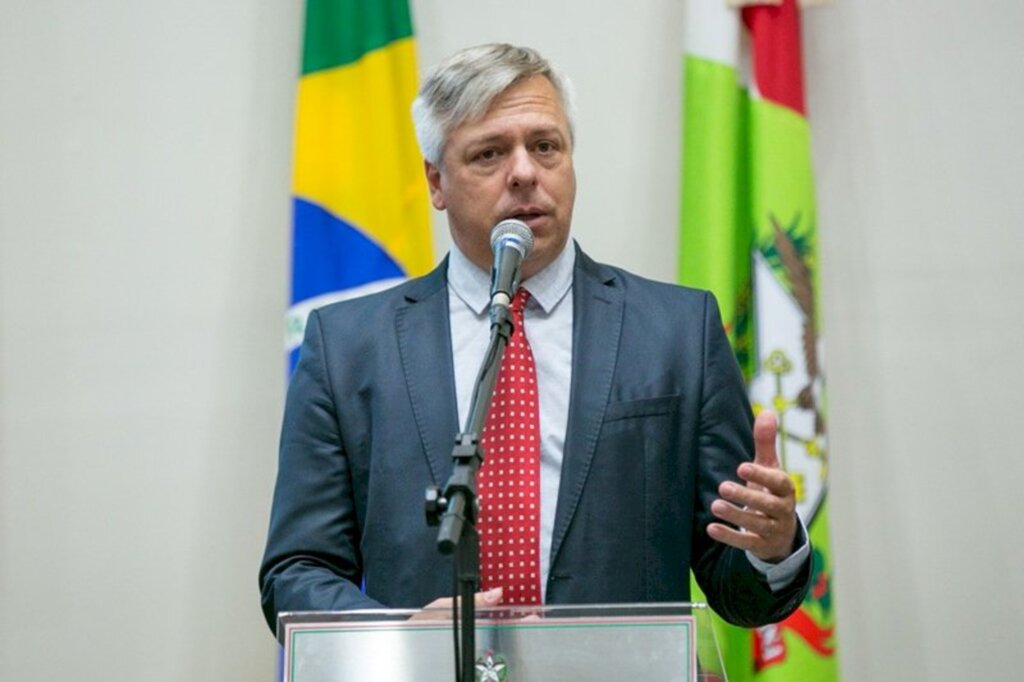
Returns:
(514, 644)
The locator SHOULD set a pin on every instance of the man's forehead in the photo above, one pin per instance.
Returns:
(536, 102)
(532, 91)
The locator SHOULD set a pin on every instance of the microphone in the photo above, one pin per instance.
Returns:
(511, 242)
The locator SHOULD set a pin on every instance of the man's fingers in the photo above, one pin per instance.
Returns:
(765, 429)
(735, 538)
(441, 609)
(764, 511)
(773, 543)
(754, 502)
(775, 499)
(752, 521)
(491, 597)
(770, 479)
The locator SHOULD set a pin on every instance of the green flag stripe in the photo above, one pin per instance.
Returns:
(717, 232)
(715, 172)
(339, 32)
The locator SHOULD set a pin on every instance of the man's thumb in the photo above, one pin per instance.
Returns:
(765, 428)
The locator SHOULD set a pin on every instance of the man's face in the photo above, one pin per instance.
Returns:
(515, 162)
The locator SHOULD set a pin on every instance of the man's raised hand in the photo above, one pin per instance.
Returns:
(764, 509)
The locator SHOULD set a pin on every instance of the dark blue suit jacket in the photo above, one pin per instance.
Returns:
(658, 418)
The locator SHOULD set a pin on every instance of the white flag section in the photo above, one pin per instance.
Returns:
(789, 381)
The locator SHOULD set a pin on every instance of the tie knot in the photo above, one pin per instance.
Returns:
(519, 300)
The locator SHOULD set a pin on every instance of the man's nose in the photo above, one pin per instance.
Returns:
(523, 169)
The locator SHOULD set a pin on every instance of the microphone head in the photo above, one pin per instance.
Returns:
(514, 233)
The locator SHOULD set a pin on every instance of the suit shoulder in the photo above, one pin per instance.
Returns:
(667, 293)
(365, 309)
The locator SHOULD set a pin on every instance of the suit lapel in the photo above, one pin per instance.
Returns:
(597, 326)
(424, 343)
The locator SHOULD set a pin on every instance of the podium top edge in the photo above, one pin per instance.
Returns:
(663, 609)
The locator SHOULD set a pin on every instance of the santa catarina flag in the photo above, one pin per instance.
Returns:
(360, 211)
(749, 234)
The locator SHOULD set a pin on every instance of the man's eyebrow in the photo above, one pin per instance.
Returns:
(486, 138)
(547, 130)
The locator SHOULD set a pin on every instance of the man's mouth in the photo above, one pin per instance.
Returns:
(527, 216)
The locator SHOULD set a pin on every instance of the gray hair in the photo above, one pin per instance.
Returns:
(462, 87)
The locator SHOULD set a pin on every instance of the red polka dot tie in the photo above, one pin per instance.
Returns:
(509, 481)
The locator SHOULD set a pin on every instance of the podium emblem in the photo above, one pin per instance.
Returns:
(491, 667)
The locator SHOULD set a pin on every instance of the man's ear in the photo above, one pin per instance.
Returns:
(433, 174)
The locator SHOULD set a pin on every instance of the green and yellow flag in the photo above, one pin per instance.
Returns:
(749, 234)
(361, 218)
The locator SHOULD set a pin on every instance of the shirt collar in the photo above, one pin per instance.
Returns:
(549, 286)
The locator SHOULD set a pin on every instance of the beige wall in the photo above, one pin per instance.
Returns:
(918, 137)
(144, 155)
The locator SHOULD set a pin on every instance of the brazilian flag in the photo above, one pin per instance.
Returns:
(360, 206)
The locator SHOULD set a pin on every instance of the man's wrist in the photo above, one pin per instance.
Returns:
(781, 574)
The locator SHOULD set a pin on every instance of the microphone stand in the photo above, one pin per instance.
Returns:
(456, 510)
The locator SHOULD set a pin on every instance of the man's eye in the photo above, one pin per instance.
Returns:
(487, 155)
(546, 147)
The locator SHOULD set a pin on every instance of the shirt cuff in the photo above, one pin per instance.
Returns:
(780, 575)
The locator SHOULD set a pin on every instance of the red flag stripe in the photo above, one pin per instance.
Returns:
(778, 70)
(817, 637)
(770, 647)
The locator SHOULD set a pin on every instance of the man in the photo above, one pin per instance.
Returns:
(644, 428)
